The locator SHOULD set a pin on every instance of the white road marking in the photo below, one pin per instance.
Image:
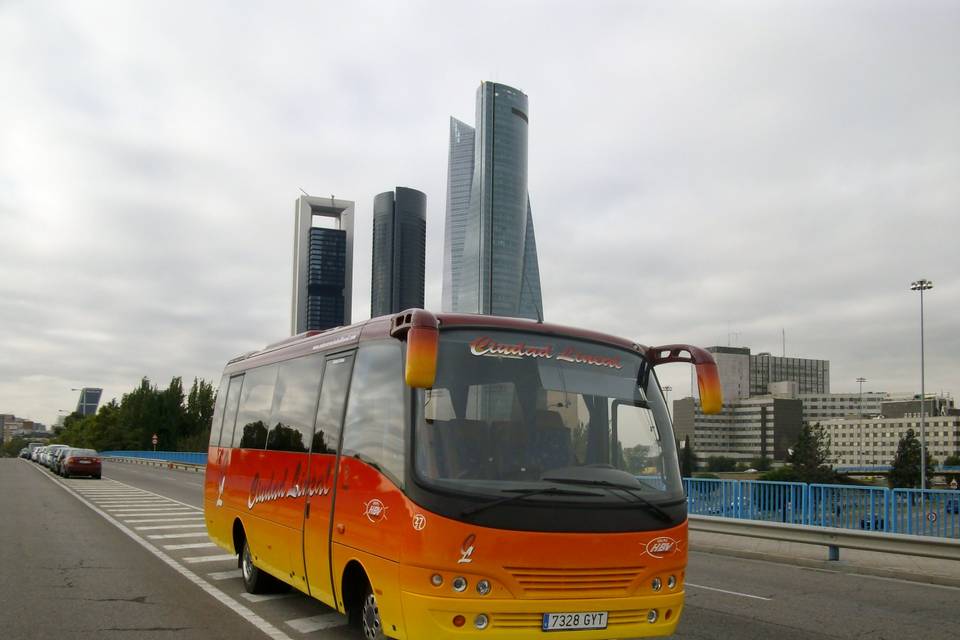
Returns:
(192, 545)
(130, 486)
(226, 575)
(222, 597)
(149, 520)
(732, 593)
(316, 623)
(155, 527)
(166, 536)
(154, 512)
(216, 558)
(257, 597)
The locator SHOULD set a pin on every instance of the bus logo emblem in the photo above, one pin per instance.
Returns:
(466, 549)
(419, 522)
(375, 510)
(660, 547)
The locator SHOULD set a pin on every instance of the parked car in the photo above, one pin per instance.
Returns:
(35, 454)
(56, 464)
(25, 452)
(80, 462)
(953, 505)
(49, 457)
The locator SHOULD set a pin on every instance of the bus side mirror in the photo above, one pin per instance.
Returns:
(420, 330)
(708, 376)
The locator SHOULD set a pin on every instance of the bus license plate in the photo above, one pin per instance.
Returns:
(577, 620)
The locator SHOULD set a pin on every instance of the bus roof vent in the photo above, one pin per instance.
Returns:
(403, 321)
(295, 338)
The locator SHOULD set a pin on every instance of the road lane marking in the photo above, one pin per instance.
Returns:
(732, 593)
(167, 536)
(265, 597)
(192, 545)
(217, 558)
(149, 520)
(237, 607)
(316, 623)
(226, 575)
(130, 486)
(163, 512)
(155, 527)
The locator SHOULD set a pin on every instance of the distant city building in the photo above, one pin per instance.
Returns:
(490, 252)
(88, 401)
(11, 427)
(743, 374)
(399, 251)
(873, 439)
(322, 264)
(760, 427)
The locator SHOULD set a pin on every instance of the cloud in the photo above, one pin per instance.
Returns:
(697, 174)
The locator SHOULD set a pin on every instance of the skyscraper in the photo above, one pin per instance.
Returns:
(490, 251)
(322, 264)
(399, 251)
(88, 401)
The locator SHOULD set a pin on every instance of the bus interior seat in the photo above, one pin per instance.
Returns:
(553, 444)
(463, 447)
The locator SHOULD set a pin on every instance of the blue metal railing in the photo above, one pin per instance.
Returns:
(187, 457)
(911, 511)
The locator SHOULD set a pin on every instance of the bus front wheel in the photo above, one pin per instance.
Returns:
(370, 617)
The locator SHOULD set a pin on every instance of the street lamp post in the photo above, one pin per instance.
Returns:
(922, 285)
(861, 380)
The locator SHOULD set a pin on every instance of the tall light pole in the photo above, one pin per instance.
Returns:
(922, 285)
(860, 380)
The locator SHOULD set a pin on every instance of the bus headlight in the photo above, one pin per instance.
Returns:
(672, 582)
(652, 616)
(481, 621)
(657, 584)
(483, 587)
(459, 584)
(436, 579)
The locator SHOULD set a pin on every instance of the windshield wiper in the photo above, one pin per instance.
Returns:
(520, 494)
(651, 507)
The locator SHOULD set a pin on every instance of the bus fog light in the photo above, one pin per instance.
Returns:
(459, 584)
(459, 620)
(672, 582)
(483, 587)
(481, 621)
(436, 579)
(657, 584)
(652, 616)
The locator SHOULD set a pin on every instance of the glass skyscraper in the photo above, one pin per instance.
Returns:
(399, 251)
(490, 250)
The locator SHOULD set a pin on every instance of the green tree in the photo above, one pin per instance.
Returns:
(720, 464)
(905, 471)
(761, 463)
(688, 460)
(952, 461)
(12, 448)
(811, 451)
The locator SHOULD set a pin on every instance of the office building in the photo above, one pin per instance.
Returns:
(399, 251)
(759, 427)
(88, 401)
(322, 264)
(743, 375)
(490, 252)
(873, 439)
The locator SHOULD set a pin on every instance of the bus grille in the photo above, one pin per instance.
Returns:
(574, 583)
(615, 619)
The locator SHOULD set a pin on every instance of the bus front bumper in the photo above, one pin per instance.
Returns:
(433, 617)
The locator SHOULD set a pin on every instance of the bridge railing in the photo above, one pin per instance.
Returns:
(185, 457)
(909, 511)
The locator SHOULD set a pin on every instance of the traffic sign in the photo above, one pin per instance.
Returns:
(932, 516)
(155, 439)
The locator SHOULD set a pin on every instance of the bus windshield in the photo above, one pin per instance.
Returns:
(512, 411)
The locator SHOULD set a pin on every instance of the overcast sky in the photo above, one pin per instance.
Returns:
(710, 173)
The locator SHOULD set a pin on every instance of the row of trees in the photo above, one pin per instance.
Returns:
(808, 461)
(180, 420)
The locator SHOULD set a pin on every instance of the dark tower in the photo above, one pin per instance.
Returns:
(399, 251)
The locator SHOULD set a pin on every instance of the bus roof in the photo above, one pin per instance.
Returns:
(380, 327)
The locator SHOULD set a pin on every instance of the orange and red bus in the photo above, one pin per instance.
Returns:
(453, 476)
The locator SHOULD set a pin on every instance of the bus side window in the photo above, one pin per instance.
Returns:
(230, 410)
(333, 397)
(294, 404)
(373, 427)
(255, 403)
(217, 422)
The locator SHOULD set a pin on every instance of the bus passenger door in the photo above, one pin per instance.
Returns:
(321, 472)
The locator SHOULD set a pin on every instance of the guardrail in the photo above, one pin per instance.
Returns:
(183, 457)
(908, 511)
(885, 468)
(833, 539)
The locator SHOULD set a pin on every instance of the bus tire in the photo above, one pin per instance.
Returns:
(254, 580)
(370, 622)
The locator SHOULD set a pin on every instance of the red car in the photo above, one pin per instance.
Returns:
(80, 462)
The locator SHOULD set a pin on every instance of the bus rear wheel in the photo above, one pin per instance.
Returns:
(370, 617)
(254, 580)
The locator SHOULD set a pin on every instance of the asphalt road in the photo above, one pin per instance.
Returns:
(68, 571)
